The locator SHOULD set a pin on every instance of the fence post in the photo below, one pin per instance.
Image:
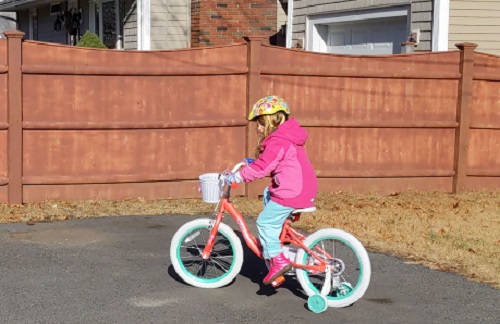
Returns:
(253, 94)
(15, 116)
(463, 115)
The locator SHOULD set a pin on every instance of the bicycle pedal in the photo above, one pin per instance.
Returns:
(278, 281)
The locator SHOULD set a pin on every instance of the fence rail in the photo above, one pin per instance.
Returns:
(80, 123)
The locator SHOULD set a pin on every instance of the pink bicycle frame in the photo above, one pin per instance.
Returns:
(288, 235)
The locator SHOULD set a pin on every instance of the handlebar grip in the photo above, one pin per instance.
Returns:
(237, 166)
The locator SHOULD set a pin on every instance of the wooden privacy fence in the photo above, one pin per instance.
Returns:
(80, 123)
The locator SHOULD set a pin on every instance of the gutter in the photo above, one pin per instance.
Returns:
(16, 5)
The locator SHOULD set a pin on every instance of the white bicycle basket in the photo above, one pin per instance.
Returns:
(211, 190)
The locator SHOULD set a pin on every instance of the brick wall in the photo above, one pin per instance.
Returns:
(220, 22)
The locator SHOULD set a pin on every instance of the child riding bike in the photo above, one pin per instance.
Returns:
(280, 153)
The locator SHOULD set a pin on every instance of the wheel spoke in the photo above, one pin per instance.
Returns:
(224, 265)
(218, 263)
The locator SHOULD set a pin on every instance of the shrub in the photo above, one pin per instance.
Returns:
(90, 40)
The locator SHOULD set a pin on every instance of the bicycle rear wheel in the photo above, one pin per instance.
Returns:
(351, 270)
(223, 264)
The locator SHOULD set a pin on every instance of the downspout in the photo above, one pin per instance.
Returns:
(289, 24)
(146, 21)
(440, 25)
(188, 24)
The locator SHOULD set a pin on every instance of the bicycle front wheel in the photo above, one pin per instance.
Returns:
(351, 270)
(223, 264)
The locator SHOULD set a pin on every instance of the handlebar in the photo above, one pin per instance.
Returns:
(226, 188)
(237, 166)
(224, 174)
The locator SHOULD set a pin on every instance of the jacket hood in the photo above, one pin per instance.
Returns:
(291, 131)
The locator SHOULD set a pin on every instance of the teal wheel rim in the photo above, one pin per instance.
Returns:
(317, 303)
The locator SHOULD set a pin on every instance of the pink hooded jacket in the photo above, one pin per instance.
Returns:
(294, 182)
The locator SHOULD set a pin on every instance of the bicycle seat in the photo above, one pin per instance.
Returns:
(295, 215)
(304, 210)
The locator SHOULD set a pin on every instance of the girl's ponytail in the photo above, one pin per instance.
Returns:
(270, 124)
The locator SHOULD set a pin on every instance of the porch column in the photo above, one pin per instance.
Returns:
(118, 22)
(143, 25)
(289, 25)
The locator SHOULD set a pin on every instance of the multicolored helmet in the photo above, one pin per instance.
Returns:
(268, 106)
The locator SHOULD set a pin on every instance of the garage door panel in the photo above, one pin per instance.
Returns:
(339, 41)
(371, 37)
(360, 38)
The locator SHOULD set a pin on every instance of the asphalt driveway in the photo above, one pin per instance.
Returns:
(117, 270)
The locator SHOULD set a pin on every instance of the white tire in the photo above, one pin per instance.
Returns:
(349, 258)
(220, 268)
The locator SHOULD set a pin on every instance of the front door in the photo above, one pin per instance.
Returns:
(109, 24)
(103, 21)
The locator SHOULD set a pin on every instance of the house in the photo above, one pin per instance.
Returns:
(146, 24)
(371, 27)
(472, 21)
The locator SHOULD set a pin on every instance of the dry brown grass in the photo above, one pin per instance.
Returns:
(459, 233)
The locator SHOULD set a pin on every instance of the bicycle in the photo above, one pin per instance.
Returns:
(206, 253)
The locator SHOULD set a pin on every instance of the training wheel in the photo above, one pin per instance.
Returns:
(317, 303)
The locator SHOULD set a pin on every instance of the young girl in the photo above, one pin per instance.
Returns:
(281, 155)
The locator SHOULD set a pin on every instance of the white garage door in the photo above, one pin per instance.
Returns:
(370, 37)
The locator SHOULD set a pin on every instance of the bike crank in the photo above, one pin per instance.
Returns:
(278, 281)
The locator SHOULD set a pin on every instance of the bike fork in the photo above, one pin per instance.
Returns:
(213, 227)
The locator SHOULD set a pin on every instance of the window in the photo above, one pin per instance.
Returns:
(55, 8)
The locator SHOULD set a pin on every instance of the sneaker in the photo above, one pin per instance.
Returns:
(279, 266)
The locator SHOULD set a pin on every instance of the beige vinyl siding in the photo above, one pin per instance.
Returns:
(158, 14)
(179, 13)
(282, 15)
(130, 25)
(421, 14)
(280, 38)
(169, 24)
(476, 22)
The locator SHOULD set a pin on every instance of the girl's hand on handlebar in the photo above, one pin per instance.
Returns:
(247, 160)
(233, 178)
